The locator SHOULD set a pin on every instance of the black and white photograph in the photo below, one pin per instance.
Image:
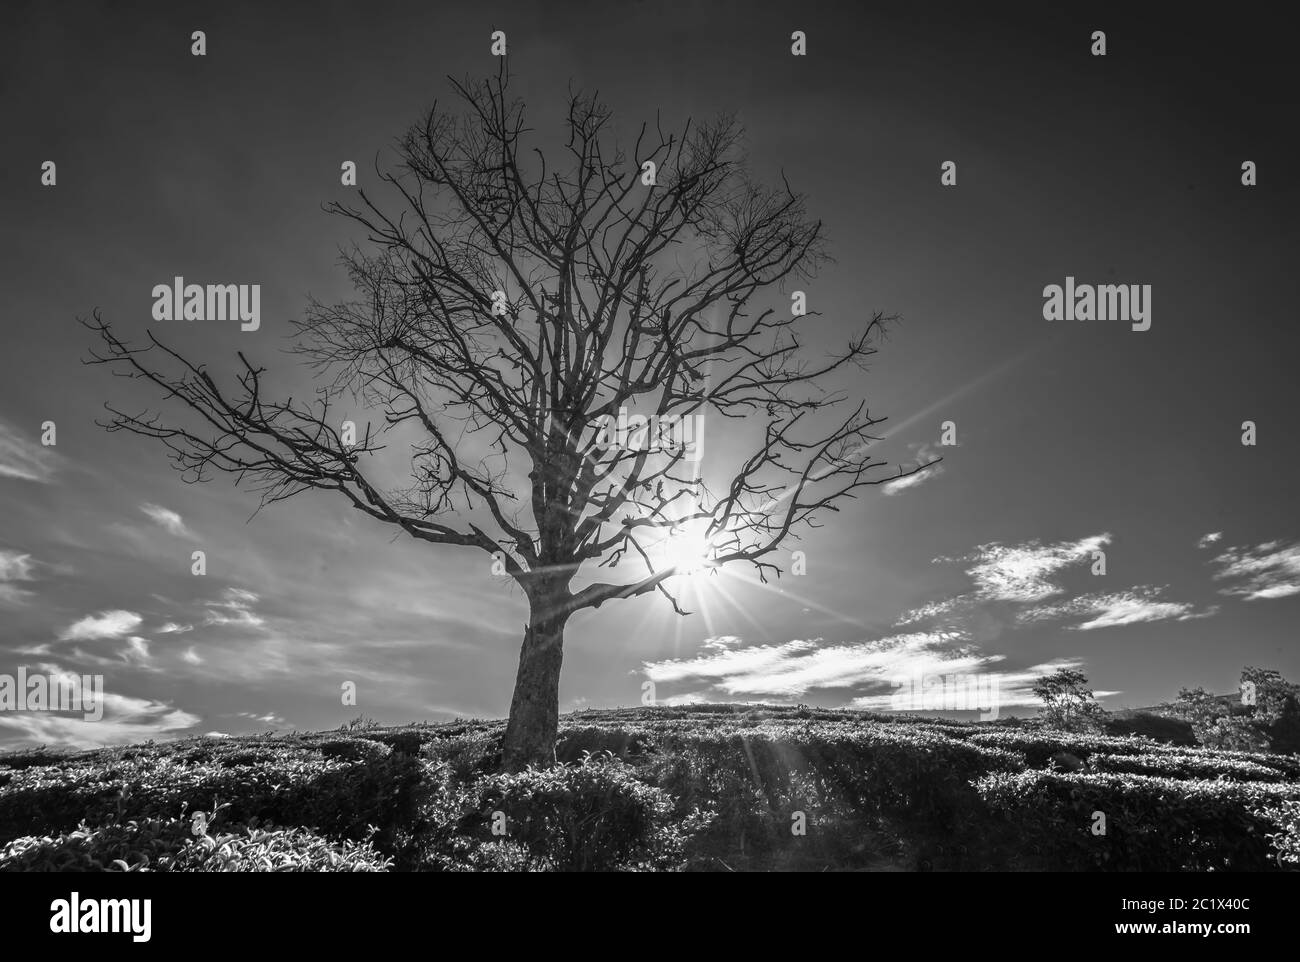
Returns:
(649, 437)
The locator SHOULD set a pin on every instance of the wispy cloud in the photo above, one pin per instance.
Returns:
(167, 519)
(1113, 609)
(107, 624)
(899, 485)
(14, 566)
(798, 666)
(236, 609)
(1024, 572)
(999, 689)
(1009, 574)
(930, 610)
(1208, 539)
(924, 453)
(23, 458)
(1269, 570)
(1015, 585)
(126, 719)
(875, 670)
(721, 642)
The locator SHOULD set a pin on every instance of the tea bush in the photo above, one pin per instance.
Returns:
(662, 788)
(1151, 824)
(591, 816)
(168, 845)
(1176, 765)
(1285, 817)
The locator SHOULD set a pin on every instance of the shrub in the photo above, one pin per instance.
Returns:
(1038, 744)
(276, 850)
(1285, 816)
(400, 742)
(329, 795)
(851, 780)
(470, 755)
(501, 856)
(31, 758)
(592, 816)
(624, 742)
(1174, 731)
(354, 749)
(168, 845)
(1172, 765)
(1152, 824)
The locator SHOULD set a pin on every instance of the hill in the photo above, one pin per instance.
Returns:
(708, 787)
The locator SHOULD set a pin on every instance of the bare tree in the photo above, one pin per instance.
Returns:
(507, 312)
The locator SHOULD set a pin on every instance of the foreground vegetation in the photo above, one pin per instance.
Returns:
(698, 788)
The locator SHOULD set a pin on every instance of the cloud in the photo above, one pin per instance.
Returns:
(930, 610)
(924, 454)
(137, 650)
(1269, 570)
(899, 485)
(107, 624)
(1118, 608)
(190, 656)
(172, 628)
(1209, 539)
(270, 718)
(721, 642)
(24, 459)
(1022, 572)
(167, 518)
(994, 689)
(798, 666)
(126, 720)
(1008, 574)
(14, 567)
(235, 610)
(881, 671)
(1013, 582)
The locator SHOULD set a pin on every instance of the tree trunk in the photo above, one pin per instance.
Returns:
(535, 707)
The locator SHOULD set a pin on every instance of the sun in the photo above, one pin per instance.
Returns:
(688, 550)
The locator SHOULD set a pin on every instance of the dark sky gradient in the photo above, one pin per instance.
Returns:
(1122, 169)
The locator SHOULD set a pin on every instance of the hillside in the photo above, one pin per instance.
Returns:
(711, 788)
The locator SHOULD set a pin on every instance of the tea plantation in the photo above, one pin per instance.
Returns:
(700, 788)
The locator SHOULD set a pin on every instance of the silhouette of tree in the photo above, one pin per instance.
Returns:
(509, 309)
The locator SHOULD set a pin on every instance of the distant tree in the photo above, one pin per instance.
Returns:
(1270, 695)
(1067, 702)
(1214, 723)
(512, 306)
(1263, 716)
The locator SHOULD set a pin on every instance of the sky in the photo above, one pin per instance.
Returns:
(1072, 437)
